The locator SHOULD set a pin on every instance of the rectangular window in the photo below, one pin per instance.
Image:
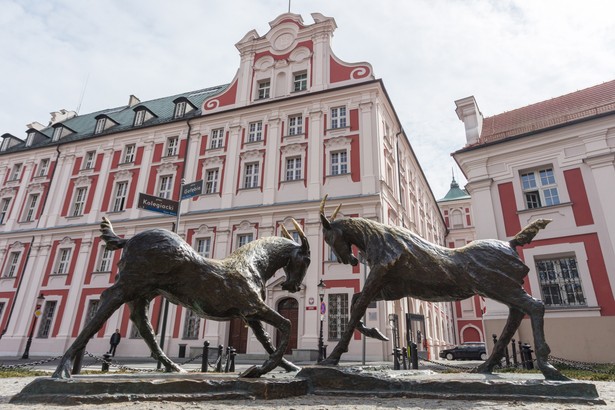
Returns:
(46, 319)
(11, 268)
(244, 239)
(211, 181)
(100, 125)
(106, 258)
(63, 261)
(79, 204)
(129, 153)
(539, 188)
(338, 315)
(15, 173)
(560, 283)
(180, 109)
(172, 146)
(119, 202)
(255, 131)
(339, 163)
(293, 168)
(88, 162)
(332, 257)
(251, 175)
(203, 247)
(31, 208)
(139, 118)
(264, 88)
(92, 309)
(4, 209)
(217, 138)
(43, 167)
(57, 132)
(300, 82)
(191, 325)
(165, 188)
(295, 125)
(338, 117)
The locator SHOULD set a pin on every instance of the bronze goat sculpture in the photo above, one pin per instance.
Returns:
(159, 262)
(403, 264)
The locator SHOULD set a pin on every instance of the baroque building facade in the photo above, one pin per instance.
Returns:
(294, 124)
(555, 160)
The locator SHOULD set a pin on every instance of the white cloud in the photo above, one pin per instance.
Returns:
(428, 52)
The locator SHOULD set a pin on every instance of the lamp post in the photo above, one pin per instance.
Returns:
(37, 313)
(321, 344)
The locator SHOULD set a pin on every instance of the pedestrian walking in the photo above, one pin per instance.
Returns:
(115, 340)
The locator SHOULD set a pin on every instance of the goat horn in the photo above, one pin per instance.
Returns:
(334, 214)
(304, 242)
(285, 233)
(323, 218)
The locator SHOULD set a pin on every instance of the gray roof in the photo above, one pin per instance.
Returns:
(84, 125)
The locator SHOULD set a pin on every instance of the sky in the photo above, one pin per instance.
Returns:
(89, 55)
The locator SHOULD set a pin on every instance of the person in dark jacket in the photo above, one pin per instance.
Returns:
(115, 340)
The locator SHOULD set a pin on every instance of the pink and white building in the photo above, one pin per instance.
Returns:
(553, 159)
(295, 123)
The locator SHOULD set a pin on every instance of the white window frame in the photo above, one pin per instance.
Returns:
(211, 180)
(129, 153)
(294, 168)
(264, 89)
(88, 160)
(202, 246)
(560, 274)
(339, 117)
(12, 264)
(192, 325)
(244, 238)
(251, 175)
(57, 133)
(100, 125)
(63, 261)
(300, 81)
(180, 109)
(105, 260)
(139, 118)
(31, 207)
(80, 198)
(172, 146)
(255, 131)
(338, 162)
(539, 187)
(4, 209)
(295, 124)
(43, 167)
(338, 315)
(217, 138)
(16, 172)
(120, 196)
(165, 186)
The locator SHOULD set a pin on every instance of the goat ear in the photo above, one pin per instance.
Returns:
(305, 245)
(285, 233)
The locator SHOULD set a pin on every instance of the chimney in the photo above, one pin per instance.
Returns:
(468, 112)
(35, 125)
(61, 115)
(132, 101)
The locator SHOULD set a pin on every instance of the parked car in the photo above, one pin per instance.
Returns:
(467, 351)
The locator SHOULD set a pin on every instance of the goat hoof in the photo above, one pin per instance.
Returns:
(251, 373)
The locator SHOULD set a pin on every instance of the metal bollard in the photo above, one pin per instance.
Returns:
(396, 354)
(527, 356)
(105, 363)
(404, 354)
(205, 357)
(227, 365)
(414, 355)
(219, 360)
(233, 354)
(514, 352)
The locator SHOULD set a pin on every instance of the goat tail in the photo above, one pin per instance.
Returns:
(111, 239)
(527, 234)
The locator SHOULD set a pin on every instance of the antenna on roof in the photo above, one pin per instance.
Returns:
(82, 93)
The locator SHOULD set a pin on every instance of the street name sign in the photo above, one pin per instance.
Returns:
(157, 204)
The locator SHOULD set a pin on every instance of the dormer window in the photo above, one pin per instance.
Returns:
(30, 138)
(57, 133)
(264, 88)
(139, 118)
(300, 82)
(180, 109)
(100, 125)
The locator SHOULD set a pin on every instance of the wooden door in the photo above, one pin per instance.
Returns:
(289, 308)
(238, 335)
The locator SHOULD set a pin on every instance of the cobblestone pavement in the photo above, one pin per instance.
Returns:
(12, 386)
